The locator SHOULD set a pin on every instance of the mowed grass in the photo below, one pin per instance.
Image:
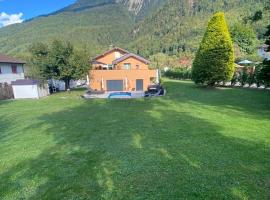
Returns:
(195, 143)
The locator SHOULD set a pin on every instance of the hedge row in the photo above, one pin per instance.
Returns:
(178, 74)
(243, 77)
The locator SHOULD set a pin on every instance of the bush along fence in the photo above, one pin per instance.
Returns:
(6, 91)
(246, 77)
(181, 74)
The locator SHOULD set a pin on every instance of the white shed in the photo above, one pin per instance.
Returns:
(29, 89)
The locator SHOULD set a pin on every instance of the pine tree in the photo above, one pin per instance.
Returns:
(214, 61)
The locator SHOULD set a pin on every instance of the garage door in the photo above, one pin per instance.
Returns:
(115, 85)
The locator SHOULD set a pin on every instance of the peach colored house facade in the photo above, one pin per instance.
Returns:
(120, 70)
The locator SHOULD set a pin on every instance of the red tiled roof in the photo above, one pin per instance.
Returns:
(124, 57)
(7, 59)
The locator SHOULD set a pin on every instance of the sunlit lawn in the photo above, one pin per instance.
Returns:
(195, 143)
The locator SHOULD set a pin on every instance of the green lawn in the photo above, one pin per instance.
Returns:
(195, 143)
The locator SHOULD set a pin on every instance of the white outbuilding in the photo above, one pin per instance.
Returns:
(29, 89)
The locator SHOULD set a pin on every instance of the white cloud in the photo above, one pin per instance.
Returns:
(6, 19)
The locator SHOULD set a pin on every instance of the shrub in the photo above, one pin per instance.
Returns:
(251, 79)
(265, 73)
(243, 76)
(178, 74)
(257, 75)
(235, 78)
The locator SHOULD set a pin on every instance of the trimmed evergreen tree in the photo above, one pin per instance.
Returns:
(214, 61)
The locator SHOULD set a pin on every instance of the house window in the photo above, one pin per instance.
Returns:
(110, 67)
(137, 66)
(14, 69)
(127, 65)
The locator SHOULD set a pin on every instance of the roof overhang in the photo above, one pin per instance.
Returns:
(9, 60)
(95, 62)
(125, 57)
(24, 82)
(110, 51)
(18, 63)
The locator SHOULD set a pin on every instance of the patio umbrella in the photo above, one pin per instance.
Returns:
(245, 62)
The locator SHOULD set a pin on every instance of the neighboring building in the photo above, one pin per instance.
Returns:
(120, 70)
(11, 69)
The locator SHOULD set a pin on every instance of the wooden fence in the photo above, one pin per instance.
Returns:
(6, 91)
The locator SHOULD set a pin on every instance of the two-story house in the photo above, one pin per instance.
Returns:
(120, 70)
(11, 69)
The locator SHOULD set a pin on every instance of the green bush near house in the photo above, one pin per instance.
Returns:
(244, 76)
(214, 61)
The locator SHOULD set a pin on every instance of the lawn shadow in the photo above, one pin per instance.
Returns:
(134, 150)
(4, 102)
(251, 102)
(5, 121)
(4, 127)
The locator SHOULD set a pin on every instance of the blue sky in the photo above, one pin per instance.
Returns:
(15, 11)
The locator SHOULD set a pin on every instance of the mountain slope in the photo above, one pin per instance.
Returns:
(142, 8)
(95, 23)
(96, 27)
(180, 25)
(146, 26)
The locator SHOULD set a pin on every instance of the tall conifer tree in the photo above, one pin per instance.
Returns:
(214, 61)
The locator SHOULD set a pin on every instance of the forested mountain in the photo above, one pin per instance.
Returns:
(140, 8)
(179, 25)
(93, 25)
(145, 26)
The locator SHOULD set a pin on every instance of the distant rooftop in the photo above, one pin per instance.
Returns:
(8, 59)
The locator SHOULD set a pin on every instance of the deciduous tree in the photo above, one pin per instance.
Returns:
(60, 61)
(245, 37)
